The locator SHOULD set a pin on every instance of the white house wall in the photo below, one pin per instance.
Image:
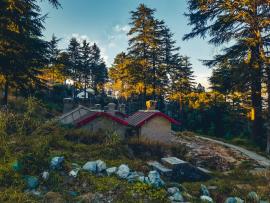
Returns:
(157, 129)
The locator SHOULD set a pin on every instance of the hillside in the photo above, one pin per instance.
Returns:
(30, 139)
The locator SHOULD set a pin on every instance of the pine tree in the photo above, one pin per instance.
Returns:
(22, 51)
(120, 76)
(140, 44)
(187, 75)
(99, 69)
(267, 70)
(74, 65)
(53, 55)
(86, 68)
(242, 23)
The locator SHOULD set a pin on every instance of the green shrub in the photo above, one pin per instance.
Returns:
(145, 191)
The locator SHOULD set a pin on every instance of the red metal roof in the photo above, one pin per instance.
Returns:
(95, 115)
(139, 118)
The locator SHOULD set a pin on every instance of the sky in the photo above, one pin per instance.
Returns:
(106, 23)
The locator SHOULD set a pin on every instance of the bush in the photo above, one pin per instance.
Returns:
(84, 136)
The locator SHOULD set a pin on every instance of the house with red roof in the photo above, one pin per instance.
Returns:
(147, 124)
(152, 125)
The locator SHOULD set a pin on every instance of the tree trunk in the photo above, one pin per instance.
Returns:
(85, 89)
(256, 95)
(6, 88)
(268, 109)
(144, 96)
(154, 77)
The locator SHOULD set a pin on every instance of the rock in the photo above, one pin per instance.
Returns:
(173, 162)
(206, 199)
(160, 168)
(90, 166)
(144, 179)
(16, 166)
(132, 177)
(31, 182)
(177, 197)
(73, 193)
(173, 190)
(183, 171)
(56, 162)
(45, 175)
(75, 170)
(155, 179)
(101, 166)
(204, 191)
(111, 171)
(253, 197)
(34, 193)
(123, 171)
(212, 187)
(53, 197)
(234, 200)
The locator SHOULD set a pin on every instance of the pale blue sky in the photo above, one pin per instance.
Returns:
(106, 23)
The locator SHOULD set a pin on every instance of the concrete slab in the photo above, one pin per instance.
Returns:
(172, 162)
(160, 168)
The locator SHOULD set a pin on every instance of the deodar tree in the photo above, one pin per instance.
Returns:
(22, 50)
(242, 26)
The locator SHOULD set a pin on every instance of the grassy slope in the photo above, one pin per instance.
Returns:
(35, 146)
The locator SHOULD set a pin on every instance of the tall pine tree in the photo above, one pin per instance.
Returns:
(241, 23)
(22, 51)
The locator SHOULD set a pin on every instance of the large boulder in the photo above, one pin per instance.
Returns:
(184, 171)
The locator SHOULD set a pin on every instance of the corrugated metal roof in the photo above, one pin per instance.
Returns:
(139, 118)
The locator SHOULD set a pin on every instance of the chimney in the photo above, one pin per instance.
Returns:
(122, 108)
(111, 108)
(151, 105)
(68, 105)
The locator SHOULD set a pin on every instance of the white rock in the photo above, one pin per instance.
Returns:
(123, 171)
(90, 166)
(45, 175)
(111, 171)
(206, 199)
(173, 190)
(101, 166)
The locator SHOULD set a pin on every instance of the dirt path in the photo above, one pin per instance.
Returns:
(262, 161)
